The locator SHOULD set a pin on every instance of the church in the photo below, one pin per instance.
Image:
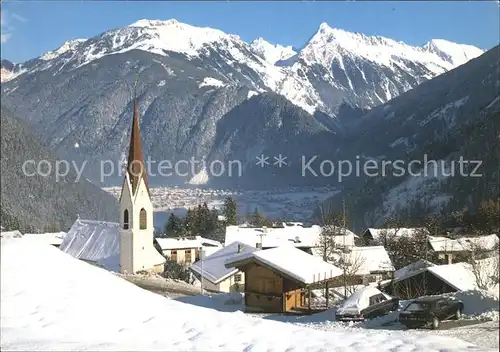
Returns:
(126, 247)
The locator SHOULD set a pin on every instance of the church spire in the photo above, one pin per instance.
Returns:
(135, 163)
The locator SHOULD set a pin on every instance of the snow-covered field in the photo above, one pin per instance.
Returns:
(294, 204)
(51, 301)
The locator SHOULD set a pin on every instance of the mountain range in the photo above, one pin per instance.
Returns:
(209, 95)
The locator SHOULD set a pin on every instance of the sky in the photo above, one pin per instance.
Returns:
(31, 28)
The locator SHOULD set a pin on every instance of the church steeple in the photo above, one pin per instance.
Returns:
(135, 163)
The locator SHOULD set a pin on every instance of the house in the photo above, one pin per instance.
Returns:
(430, 279)
(453, 250)
(54, 239)
(98, 242)
(281, 279)
(372, 234)
(213, 273)
(11, 234)
(364, 265)
(185, 250)
(293, 233)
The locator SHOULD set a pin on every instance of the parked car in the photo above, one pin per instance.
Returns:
(430, 311)
(366, 303)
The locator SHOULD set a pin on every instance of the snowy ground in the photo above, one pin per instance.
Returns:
(294, 204)
(51, 301)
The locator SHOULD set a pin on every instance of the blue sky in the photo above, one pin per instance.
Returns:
(31, 28)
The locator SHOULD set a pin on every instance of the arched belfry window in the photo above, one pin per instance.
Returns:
(142, 219)
(125, 219)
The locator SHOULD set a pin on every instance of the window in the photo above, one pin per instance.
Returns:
(142, 219)
(187, 256)
(237, 277)
(125, 219)
(173, 256)
(417, 307)
(377, 299)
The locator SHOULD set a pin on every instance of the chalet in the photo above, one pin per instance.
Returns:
(452, 250)
(372, 234)
(213, 273)
(54, 239)
(281, 279)
(11, 234)
(293, 233)
(365, 265)
(98, 242)
(186, 250)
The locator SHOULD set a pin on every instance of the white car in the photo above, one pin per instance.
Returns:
(366, 303)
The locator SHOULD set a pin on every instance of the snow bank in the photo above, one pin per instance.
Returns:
(52, 301)
(478, 304)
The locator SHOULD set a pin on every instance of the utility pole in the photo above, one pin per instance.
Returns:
(343, 249)
(201, 274)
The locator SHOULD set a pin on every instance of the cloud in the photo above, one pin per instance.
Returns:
(6, 27)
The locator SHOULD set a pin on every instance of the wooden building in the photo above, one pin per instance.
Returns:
(431, 280)
(280, 280)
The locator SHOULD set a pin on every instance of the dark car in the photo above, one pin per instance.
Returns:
(366, 303)
(430, 311)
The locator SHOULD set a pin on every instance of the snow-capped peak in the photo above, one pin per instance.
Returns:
(271, 53)
(329, 44)
(154, 23)
(67, 46)
(457, 54)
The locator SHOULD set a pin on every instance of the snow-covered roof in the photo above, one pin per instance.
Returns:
(412, 269)
(458, 275)
(368, 260)
(488, 242)
(52, 238)
(444, 244)
(295, 263)
(99, 242)
(214, 269)
(398, 232)
(296, 235)
(11, 234)
(360, 299)
(186, 242)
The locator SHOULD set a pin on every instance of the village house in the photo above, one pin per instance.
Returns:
(375, 235)
(450, 250)
(213, 273)
(11, 234)
(281, 279)
(294, 234)
(364, 265)
(186, 250)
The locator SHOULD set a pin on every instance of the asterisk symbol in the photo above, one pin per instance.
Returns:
(280, 160)
(262, 160)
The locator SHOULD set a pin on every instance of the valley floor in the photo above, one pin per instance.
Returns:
(51, 301)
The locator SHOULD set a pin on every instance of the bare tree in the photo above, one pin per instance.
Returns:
(331, 226)
(484, 262)
(351, 264)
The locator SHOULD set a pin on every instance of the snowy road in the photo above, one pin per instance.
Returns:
(51, 301)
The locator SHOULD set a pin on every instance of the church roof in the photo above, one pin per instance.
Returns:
(135, 162)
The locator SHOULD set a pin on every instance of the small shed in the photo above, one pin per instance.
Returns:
(280, 280)
(431, 279)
